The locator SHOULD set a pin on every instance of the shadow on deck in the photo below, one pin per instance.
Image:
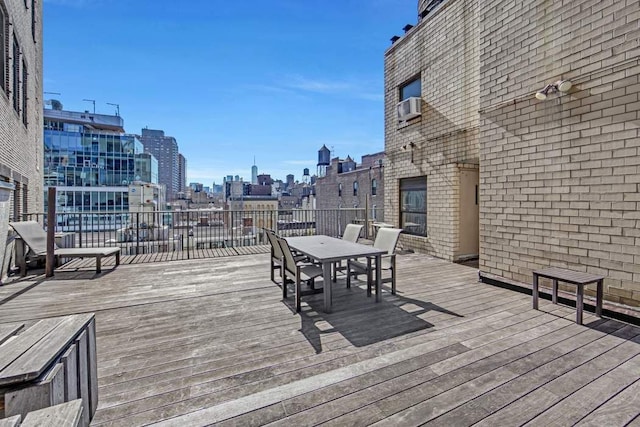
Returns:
(210, 341)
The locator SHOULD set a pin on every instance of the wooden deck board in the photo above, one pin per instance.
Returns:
(192, 341)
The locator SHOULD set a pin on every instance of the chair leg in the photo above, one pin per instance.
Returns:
(393, 275)
(348, 275)
(284, 283)
(298, 291)
(272, 267)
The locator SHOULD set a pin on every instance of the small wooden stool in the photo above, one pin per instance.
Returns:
(575, 278)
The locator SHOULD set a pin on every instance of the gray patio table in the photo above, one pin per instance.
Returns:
(327, 250)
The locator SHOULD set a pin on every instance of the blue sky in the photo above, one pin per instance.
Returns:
(230, 80)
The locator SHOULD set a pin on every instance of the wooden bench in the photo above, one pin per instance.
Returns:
(64, 415)
(572, 277)
(52, 362)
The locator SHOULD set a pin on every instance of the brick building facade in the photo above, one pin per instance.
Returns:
(560, 178)
(429, 156)
(351, 186)
(21, 146)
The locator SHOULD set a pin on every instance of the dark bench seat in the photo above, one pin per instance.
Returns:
(577, 278)
(97, 253)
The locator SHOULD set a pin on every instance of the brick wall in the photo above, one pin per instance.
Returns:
(21, 147)
(443, 50)
(327, 194)
(560, 178)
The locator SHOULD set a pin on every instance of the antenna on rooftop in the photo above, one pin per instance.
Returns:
(94, 104)
(117, 108)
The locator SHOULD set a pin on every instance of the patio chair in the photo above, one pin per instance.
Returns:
(34, 236)
(351, 234)
(300, 271)
(277, 256)
(386, 239)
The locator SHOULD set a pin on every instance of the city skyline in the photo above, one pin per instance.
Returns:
(230, 81)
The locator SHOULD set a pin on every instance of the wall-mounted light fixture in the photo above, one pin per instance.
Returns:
(409, 146)
(559, 86)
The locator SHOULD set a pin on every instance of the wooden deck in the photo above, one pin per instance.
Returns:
(210, 341)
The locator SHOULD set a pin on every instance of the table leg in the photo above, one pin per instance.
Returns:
(534, 291)
(369, 276)
(579, 300)
(599, 299)
(378, 277)
(554, 295)
(326, 278)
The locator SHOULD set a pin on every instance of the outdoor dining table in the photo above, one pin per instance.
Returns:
(328, 250)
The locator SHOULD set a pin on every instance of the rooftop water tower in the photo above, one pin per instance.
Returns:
(324, 160)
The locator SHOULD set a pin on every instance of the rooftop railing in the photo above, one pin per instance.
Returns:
(185, 231)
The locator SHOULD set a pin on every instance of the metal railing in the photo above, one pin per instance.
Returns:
(172, 231)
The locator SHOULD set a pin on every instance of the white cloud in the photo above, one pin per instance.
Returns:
(350, 88)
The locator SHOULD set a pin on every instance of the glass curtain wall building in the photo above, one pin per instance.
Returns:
(91, 162)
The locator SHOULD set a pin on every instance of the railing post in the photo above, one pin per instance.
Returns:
(189, 238)
(232, 222)
(51, 232)
(80, 227)
(366, 216)
(137, 233)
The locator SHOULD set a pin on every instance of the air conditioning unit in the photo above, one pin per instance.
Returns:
(409, 108)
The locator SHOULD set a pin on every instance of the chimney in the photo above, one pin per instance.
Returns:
(407, 28)
(394, 39)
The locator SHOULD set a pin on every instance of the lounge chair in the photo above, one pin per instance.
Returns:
(386, 239)
(35, 238)
(306, 272)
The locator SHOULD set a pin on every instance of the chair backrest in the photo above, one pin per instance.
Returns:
(352, 232)
(386, 239)
(290, 263)
(33, 235)
(273, 240)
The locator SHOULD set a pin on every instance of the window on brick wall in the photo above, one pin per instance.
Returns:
(374, 187)
(33, 20)
(24, 92)
(4, 25)
(410, 89)
(340, 190)
(355, 188)
(413, 205)
(16, 74)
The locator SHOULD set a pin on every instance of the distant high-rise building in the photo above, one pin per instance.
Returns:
(165, 149)
(254, 173)
(182, 172)
(290, 181)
